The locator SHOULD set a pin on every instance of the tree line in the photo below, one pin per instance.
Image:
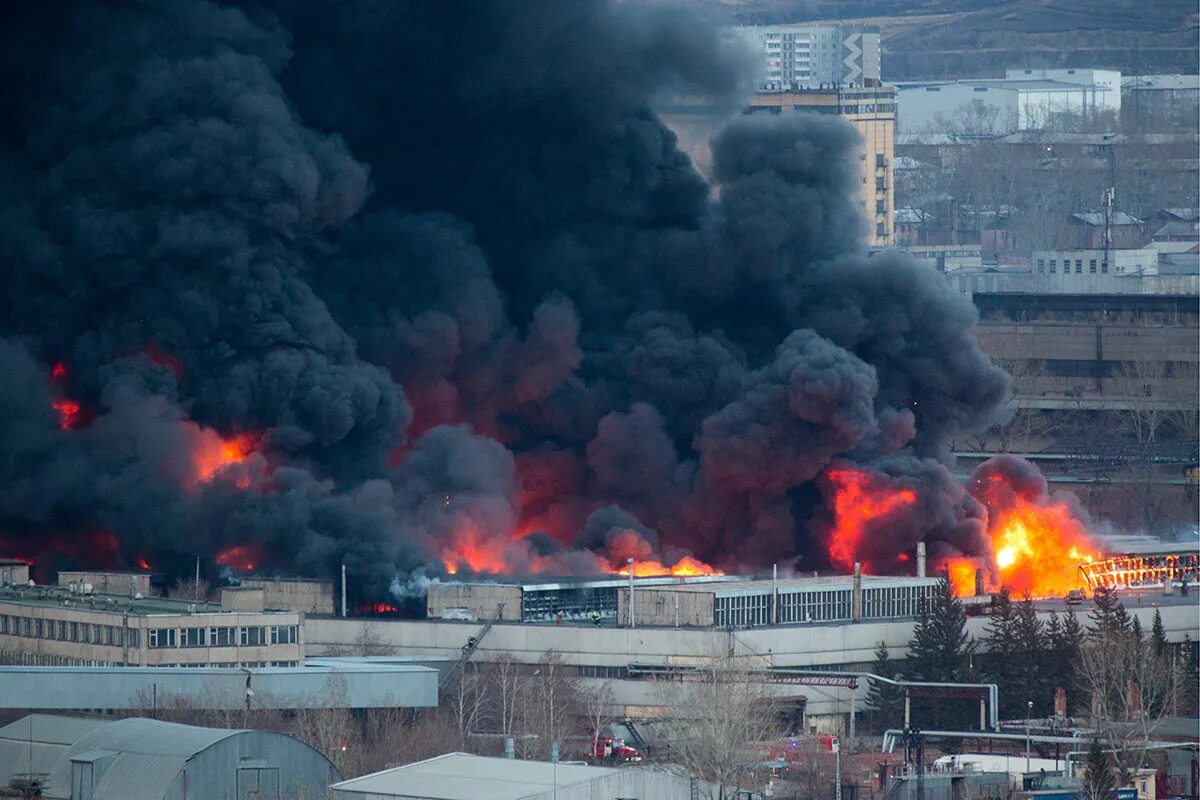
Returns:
(1095, 662)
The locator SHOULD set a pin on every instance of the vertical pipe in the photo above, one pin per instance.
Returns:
(197, 589)
(920, 559)
(852, 717)
(343, 591)
(774, 594)
(632, 623)
(982, 713)
(907, 708)
(856, 593)
(510, 751)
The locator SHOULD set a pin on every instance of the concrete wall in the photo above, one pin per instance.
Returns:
(126, 583)
(926, 107)
(666, 607)
(473, 601)
(242, 598)
(377, 686)
(309, 596)
(13, 573)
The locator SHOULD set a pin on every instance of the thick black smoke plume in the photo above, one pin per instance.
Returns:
(447, 272)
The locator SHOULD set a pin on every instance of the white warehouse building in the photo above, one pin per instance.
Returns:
(1004, 105)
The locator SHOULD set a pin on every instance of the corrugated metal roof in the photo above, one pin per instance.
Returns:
(35, 743)
(149, 754)
(50, 728)
(461, 776)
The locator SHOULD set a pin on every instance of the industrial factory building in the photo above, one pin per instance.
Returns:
(723, 602)
(131, 759)
(78, 625)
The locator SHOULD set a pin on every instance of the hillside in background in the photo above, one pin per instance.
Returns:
(964, 38)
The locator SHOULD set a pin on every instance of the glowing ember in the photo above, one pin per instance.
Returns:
(59, 371)
(375, 608)
(857, 504)
(683, 568)
(242, 556)
(68, 413)
(143, 564)
(213, 454)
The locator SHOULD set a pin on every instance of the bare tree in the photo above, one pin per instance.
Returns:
(468, 702)
(598, 707)
(1131, 688)
(720, 720)
(370, 642)
(550, 706)
(508, 691)
(1141, 383)
(195, 590)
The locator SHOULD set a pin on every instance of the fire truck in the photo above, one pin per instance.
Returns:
(607, 749)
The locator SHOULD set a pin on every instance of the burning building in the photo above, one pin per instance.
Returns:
(272, 308)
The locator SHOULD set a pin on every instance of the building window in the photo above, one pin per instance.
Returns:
(132, 637)
(220, 637)
(252, 635)
(880, 206)
(1053, 265)
(37, 629)
(158, 638)
(1041, 265)
(1104, 266)
(880, 184)
(192, 637)
(283, 634)
(73, 632)
(85, 633)
(3, 623)
(62, 630)
(880, 229)
(880, 160)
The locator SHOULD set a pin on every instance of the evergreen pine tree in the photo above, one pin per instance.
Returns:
(939, 651)
(1158, 635)
(1001, 645)
(1098, 782)
(1073, 638)
(1030, 665)
(1192, 670)
(1109, 616)
(885, 702)
(1135, 627)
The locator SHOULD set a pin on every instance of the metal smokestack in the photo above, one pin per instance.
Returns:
(343, 590)
(856, 593)
(978, 582)
(920, 559)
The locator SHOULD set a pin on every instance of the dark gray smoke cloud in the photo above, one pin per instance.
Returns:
(457, 283)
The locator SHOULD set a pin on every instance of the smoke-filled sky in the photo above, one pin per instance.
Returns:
(455, 284)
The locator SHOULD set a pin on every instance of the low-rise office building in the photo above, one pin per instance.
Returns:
(80, 627)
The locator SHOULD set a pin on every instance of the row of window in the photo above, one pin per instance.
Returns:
(895, 601)
(245, 636)
(1066, 265)
(230, 665)
(64, 631)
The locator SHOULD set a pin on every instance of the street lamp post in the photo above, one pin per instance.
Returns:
(629, 563)
(1028, 711)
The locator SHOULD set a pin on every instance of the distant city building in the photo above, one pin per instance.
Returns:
(1068, 264)
(815, 55)
(294, 594)
(13, 573)
(989, 107)
(947, 257)
(872, 111)
(79, 626)
(1171, 99)
(1105, 82)
(1092, 228)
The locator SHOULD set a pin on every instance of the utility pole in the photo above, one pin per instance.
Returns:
(1028, 711)
(837, 769)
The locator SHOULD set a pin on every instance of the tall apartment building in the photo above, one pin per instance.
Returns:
(815, 55)
(871, 109)
(76, 626)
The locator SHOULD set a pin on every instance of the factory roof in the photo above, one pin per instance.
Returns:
(1161, 82)
(61, 597)
(460, 776)
(816, 583)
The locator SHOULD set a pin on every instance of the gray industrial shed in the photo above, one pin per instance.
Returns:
(34, 744)
(145, 759)
(461, 776)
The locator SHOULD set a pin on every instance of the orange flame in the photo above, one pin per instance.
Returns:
(857, 504)
(59, 371)
(685, 567)
(473, 552)
(214, 453)
(241, 556)
(1036, 549)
